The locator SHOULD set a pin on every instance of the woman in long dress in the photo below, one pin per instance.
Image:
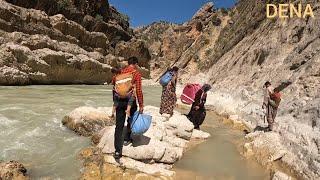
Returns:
(169, 97)
(197, 112)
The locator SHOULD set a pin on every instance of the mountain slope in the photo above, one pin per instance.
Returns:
(240, 55)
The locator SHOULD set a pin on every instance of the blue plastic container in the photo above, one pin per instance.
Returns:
(140, 123)
(166, 78)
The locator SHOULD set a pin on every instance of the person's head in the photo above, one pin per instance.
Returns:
(174, 69)
(206, 87)
(115, 71)
(276, 90)
(133, 61)
(267, 84)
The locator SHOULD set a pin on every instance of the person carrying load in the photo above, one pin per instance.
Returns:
(197, 112)
(169, 97)
(127, 84)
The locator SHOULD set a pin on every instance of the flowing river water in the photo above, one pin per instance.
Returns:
(31, 132)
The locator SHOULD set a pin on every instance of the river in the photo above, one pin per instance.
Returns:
(31, 132)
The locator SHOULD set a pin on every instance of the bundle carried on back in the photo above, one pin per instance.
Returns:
(124, 85)
(166, 78)
(276, 99)
(189, 93)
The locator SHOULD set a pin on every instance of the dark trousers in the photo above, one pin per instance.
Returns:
(120, 119)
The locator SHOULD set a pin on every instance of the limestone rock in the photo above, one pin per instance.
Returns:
(197, 134)
(183, 45)
(13, 170)
(140, 166)
(280, 176)
(12, 76)
(135, 48)
(56, 46)
(153, 152)
(87, 121)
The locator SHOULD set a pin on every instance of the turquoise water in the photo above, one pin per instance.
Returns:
(31, 132)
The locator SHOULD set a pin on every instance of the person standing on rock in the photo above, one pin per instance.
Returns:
(271, 101)
(267, 91)
(197, 112)
(134, 77)
(169, 97)
(272, 109)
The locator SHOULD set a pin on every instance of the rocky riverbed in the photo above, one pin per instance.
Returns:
(154, 153)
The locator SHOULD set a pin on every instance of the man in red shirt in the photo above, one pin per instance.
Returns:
(122, 107)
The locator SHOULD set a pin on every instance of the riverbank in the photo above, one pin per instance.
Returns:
(285, 147)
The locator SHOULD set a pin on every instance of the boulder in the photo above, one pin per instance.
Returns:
(154, 152)
(87, 121)
(278, 175)
(12, 76)
(135, 48)
(197, 134)
(13, 170)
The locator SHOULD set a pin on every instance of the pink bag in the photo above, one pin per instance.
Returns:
(189, 93)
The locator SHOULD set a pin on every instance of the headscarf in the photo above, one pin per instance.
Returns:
(206, 87)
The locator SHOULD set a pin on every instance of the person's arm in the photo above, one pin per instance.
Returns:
(203, 100)
(139, 90)
(197, 100)
(173, 81)
(272, 103)
(113, 81)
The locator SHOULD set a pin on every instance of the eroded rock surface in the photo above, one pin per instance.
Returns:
(13, 170)
(152, 153)
(183, 45)
(87, 121)
(60, 48)
(250, 50)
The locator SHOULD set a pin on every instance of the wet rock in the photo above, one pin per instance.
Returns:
(13, 170)
(281, 176)
(197, 134)
(87, 121)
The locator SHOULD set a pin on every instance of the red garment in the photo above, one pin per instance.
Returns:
(136, 80)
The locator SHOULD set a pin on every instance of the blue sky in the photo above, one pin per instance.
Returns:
(144, 12)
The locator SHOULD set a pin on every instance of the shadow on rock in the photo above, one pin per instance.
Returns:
(260, 128)
(139, 140)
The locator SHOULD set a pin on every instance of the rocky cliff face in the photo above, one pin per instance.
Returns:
(241, 53)
(183, 45)
(79, 46)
